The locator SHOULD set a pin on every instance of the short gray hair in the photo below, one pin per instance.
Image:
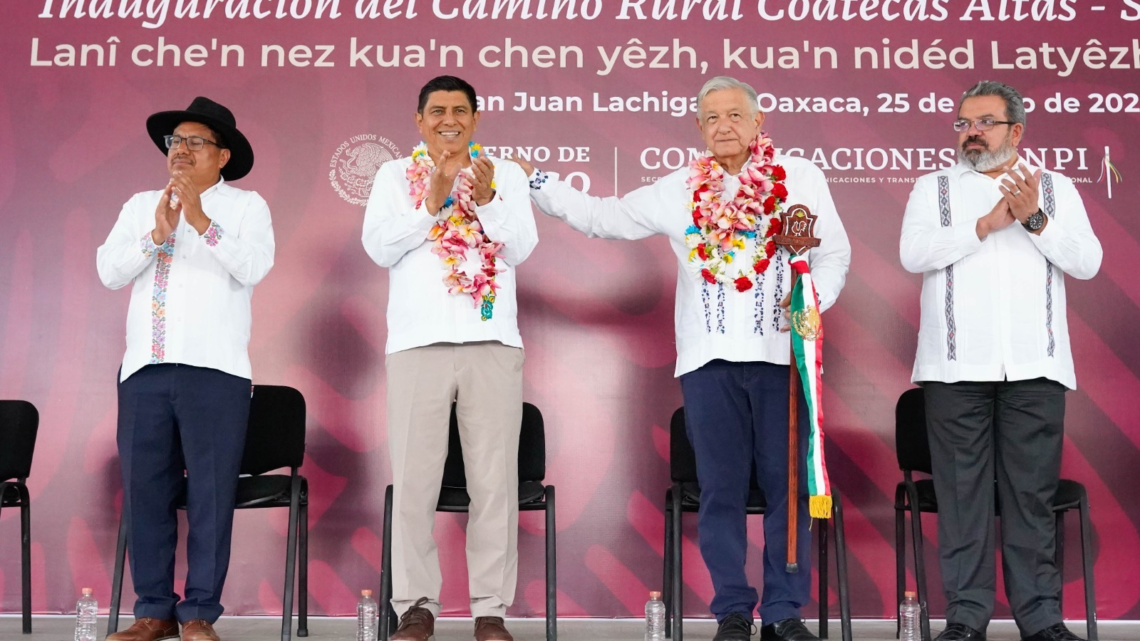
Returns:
(1014, 108)
(727, 82)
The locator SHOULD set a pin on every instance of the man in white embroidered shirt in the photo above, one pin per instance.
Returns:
(451, 226)
(732, 347)
(192, 253)
(994, 239)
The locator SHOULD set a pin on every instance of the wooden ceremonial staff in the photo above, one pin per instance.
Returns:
(797, 225)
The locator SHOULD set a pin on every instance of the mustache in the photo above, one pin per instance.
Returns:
(975, 139)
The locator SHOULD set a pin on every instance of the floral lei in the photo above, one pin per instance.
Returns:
(720, 227)
(458, 232)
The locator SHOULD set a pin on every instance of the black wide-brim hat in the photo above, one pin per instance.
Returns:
(215, 117)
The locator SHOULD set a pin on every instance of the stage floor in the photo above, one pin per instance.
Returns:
(58, 628)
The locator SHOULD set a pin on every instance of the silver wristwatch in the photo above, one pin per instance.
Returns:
(1035, 221)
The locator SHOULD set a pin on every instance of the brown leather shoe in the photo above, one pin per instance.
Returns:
(198, 630)
(417, 624)
(491, 629)
(147, 629)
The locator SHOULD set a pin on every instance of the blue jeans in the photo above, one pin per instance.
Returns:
(736, 417)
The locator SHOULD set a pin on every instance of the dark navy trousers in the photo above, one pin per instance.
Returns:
(180, 427)
(736, 415)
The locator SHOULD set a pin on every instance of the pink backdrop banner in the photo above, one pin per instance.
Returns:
(600, 90)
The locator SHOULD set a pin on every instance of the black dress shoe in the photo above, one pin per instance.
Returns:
(787, 630)
(960, 632)
(1056, 632)
(735, 627)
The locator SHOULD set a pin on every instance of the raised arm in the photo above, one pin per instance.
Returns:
(129, 247)
(393, 225)
(1068, 240)
(508, 218)
(246, 252)
(925, 244)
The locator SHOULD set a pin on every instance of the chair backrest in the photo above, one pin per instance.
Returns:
(532, 450)
(275, 437)
(912, 444)
(682, 460)
(19, 422)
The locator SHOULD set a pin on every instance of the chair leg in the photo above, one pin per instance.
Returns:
(290, 559)
(1087, 564)
(25, 556)
(678, 569)
(303, 573)
(841, 566)
(117, 580)
(822, 525)
(919, 561)
(386, 615)
(666, 565)
(551, 567)
(900, 556)
(1059, 556)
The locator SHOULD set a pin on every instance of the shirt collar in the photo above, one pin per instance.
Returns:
(213, 187)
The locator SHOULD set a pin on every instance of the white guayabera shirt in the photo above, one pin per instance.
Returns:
(714, 321)
(190, 297)
(420, 309)
(994, 309)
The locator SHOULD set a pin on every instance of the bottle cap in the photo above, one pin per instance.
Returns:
(655, 595)
(366, 593)
(88, 591)
(909, 593)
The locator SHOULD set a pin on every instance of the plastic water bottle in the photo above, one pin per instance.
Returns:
(366, 612)
(909, 618)
(86, 613)
(654, 618)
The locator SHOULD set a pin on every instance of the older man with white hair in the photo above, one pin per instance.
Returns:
(733, 285)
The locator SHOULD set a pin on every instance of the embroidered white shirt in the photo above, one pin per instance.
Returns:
(420, 309)
(994, 309)
(190, 297)
(714, 321)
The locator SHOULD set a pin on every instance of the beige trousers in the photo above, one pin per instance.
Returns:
(485, 381)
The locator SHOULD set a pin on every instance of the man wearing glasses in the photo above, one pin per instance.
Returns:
(192, 253)
(994, 239)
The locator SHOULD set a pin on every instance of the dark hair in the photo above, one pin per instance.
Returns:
(447, 83)
(1014, 108)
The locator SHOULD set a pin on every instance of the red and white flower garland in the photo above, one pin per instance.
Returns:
(721, 228)
(456, 232)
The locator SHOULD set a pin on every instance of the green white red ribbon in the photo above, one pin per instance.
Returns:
(809, 361)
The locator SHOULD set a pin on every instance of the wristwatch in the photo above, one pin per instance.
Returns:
(1035, 221)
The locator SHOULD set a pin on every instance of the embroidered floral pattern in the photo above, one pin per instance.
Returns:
(213, 234)
(758, 312)
(148, 246)
(538, 180)
(158, 300)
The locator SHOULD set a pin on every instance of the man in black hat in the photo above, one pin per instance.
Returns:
(192, 252)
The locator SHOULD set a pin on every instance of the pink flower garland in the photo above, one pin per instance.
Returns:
(456, 234)
(721, 226)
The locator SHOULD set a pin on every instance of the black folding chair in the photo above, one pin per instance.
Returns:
(275, 439)
(19, 423)
(912, 447)
(685, 496)
(453, 497)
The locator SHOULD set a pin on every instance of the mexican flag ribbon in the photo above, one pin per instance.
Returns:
(807, 345)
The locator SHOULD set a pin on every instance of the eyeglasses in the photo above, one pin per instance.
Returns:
(981, 124)
(194, 143)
